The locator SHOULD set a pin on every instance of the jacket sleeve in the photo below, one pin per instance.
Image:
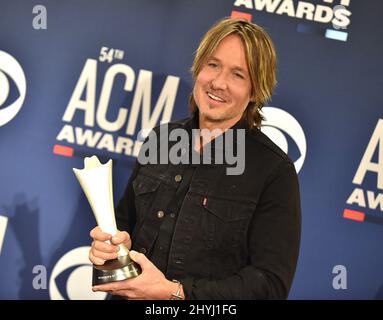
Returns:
(273, 246)
(125, 211)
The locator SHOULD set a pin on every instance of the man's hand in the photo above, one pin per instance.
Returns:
(151, 284)
(101, 250)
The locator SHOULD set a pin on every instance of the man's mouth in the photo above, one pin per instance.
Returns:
(215, 98)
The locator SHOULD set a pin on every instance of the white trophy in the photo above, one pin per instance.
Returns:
(96, 181)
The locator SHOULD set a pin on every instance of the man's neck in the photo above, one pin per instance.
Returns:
(204, 123)
(221, 125)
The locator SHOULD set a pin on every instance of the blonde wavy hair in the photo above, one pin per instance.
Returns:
(260, 57)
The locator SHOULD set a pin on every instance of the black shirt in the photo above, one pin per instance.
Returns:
(160, 251)
(221, 236)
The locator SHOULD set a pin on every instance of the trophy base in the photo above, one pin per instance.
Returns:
(118, 269)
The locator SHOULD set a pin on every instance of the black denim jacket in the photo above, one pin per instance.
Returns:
(235, 237)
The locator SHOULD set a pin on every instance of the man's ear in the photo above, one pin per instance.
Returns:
(252, 98)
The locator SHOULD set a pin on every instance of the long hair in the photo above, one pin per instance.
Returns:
(261, 61)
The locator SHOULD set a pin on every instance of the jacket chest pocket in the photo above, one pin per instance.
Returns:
(225, 222)
(145, 188)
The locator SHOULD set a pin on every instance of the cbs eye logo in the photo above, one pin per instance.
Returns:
(71, 277)
(10, 69)
(277, 123)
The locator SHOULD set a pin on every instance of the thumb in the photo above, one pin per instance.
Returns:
(140, 258)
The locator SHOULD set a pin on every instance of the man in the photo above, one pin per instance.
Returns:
(220, 236)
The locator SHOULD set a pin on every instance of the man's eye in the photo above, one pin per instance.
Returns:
(238, 75)
(212, 64)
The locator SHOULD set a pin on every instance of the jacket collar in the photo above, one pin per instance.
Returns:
(193, 123)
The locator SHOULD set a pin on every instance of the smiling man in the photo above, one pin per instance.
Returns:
(197, 232)
(222, 88)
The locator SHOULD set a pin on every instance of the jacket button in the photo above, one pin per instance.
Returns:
(172, 215)
(178, 178)
(143, 250)
(160, 214)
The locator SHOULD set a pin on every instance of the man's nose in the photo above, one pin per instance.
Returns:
(219, 81)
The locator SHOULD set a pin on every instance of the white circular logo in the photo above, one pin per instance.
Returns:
(277, 123)
(11, 68)
(79, 282)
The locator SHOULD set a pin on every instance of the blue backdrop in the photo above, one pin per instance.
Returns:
(83, 77)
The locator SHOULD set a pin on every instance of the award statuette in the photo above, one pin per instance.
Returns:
(96, 182)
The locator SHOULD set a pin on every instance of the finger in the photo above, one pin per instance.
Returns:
(141, 259)
(95, 260)
(122, 237)
(104, 255)
(104, 247)
(113, 286)
(126, 294)
(97, 234)
(97, 289)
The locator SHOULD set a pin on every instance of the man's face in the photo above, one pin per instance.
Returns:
(222, 88)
